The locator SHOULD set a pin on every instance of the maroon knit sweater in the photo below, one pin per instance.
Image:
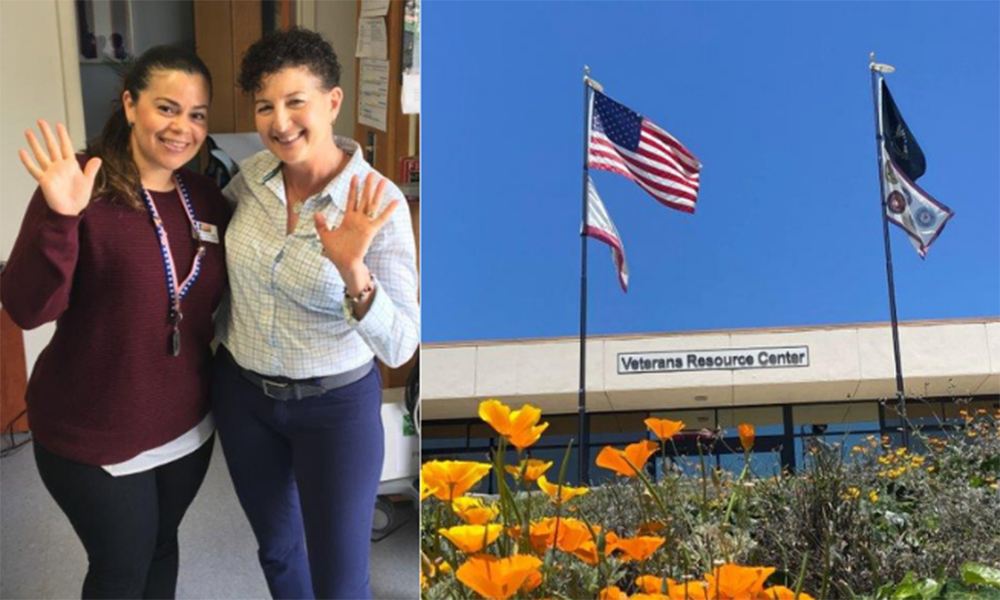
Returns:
(106, 388)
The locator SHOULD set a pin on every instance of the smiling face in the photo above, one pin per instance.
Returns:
(169, 123)
(295, 115)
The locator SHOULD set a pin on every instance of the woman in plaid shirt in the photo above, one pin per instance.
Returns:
(323, 280)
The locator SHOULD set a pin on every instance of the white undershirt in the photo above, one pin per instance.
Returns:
(177, 448)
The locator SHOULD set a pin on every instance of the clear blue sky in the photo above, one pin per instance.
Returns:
(773, 98)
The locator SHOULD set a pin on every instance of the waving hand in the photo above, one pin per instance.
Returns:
(66, 187)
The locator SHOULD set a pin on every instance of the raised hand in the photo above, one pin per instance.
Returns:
(347, 245)
(66, 187)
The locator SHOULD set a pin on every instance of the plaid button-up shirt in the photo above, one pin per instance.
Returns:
(284, 315)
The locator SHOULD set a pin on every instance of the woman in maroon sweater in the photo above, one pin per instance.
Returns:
(124, 251)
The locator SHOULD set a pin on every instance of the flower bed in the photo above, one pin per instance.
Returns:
(883, 523)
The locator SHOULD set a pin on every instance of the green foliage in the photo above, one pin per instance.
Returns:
(873, 523)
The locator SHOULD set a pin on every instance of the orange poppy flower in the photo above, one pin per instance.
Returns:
(663, 428)
(532, 471)
(637, 454)
(780, 592)
(498, 578)
(736, 582)
(612, 593)
(649, 584)
(587, 551)
(533, 580)
(425, 490)
(473, 511)
(639, 548)
(565, 493)
(650, 528)
(572, 533)
(642, 596)
(472, 538)
(687, 590)
(747, 435)
(452, 478)
(518, 426)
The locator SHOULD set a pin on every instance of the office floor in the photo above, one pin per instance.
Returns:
(41, 557)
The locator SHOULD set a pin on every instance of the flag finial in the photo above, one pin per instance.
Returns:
(590, 82)
(880, 67)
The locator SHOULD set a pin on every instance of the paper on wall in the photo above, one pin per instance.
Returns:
(374, 8)
(373, 93)
(411, 94)
(372, 38)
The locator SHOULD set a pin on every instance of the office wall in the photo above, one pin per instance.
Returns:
(38, 79)
(338, 22)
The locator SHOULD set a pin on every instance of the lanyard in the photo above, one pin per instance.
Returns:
(176, 289)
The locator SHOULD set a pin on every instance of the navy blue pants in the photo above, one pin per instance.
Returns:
(306, 473)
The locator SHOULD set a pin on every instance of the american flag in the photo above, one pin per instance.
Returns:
(623, 141)
(600, 227)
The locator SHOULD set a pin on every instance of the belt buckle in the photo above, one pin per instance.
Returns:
(274, 384)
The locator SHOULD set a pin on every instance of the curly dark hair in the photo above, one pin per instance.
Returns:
(296, 47)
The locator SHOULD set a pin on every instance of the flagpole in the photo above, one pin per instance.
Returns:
(583, 431)
(900, 394)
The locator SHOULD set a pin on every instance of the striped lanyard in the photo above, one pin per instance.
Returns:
(176, 289)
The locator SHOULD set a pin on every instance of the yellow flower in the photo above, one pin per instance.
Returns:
(452, 478)
(872, 497)
(445, 568)
(663, 428)
(519, 426)
(639, 548)
(473, 511)
(852, 493)
(637, 454)
(472, 538)
(565, 493)
(532, 470)
(747, 435)
(498, 578)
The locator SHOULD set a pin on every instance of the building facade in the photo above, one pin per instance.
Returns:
(831, 385)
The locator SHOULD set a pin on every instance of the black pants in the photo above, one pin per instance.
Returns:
(128, 524)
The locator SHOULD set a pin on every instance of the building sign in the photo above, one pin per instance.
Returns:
(713, 360)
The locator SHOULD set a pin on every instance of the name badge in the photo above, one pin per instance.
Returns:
(207, 232)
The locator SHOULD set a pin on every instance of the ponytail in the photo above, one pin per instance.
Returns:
(118, 180)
